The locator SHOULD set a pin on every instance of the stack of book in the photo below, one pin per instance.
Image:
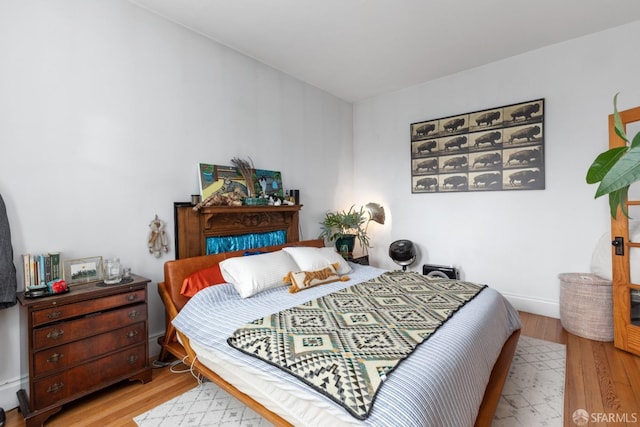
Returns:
(40, 269)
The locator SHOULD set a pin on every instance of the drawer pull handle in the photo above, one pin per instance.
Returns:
(132, 297)
(133, 314)
(54, 314)
(55, 334)
(55, 358)
(132, 359)
(56, 387)
(132, 334)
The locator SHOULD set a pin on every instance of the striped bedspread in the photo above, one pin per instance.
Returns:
(441, 384)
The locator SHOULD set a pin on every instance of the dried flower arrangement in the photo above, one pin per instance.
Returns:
(246, 169)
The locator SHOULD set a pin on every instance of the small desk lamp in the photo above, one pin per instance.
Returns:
(376, 212)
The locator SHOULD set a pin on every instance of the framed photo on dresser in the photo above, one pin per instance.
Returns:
(83, 270)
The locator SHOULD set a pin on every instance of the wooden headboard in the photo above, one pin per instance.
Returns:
(176, 271)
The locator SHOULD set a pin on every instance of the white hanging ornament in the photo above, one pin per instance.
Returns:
(157, 241)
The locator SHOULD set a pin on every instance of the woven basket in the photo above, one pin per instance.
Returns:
(586, 306)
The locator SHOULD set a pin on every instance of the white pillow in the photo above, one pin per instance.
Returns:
(310, 259)
(601, 264)
(256, 273)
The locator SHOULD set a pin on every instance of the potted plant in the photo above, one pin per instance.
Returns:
(617, 168)
(345, 227)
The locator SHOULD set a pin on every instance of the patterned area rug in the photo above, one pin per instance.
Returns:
(204, 405)
(532, 395)
(534, 392)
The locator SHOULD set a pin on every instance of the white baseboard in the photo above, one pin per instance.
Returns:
(533, 305)
(8, 393)
(154, 348)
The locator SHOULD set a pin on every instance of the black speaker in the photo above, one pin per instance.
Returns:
(296, 196)
(443, 271)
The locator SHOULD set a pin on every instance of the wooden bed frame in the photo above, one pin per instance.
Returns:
(174, 274)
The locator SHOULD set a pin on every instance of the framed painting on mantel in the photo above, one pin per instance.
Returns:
(495, 149)
(222, 179)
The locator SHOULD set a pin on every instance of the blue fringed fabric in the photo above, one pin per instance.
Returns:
(216, 245)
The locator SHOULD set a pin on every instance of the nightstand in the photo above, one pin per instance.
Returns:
(83, 341)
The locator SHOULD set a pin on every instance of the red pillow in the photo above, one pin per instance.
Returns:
(202, 279)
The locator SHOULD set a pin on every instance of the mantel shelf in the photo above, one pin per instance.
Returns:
(251, 209)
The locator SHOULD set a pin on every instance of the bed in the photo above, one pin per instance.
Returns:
(453, 378)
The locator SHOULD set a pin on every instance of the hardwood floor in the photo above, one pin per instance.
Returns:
(118, 404)
(600, 379)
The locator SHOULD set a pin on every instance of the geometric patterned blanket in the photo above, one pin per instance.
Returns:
(345, 344)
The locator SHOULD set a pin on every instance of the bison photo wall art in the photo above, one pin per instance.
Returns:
(495, 149)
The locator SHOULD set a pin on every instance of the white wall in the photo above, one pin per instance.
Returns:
(516, 241)
(105, 110)
(104, 100)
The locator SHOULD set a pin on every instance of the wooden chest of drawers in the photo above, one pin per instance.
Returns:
(82, 341)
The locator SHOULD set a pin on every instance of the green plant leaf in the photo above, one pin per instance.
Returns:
(603, 163)
(618, 126)
(623, 195)
(347, 222)
(617, 168)
(618, 198)
(636, 141)
(623, 173)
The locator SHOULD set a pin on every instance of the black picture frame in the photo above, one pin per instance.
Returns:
(496, 149)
